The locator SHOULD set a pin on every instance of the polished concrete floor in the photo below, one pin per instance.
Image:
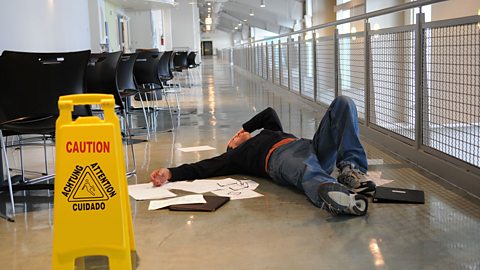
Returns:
(280, 230)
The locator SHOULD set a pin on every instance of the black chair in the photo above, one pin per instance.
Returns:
(31, 84)
(193, 65)
(181, 64)
(147, 50)
(127, 86)
(181, 61)
(101, 78)
(146, 72)
(165, 73)
(192, 60)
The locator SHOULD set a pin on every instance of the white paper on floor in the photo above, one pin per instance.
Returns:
(196, 148)
(200, 186)
(149, 192)
(157, 204)
(233, 188)
(237, 194)
(376, 177)
(375, 161)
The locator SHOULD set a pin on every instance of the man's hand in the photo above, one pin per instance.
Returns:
(160, 176)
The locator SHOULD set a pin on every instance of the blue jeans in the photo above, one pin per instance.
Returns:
(306, 164)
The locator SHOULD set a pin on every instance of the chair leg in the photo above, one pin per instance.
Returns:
(45, 153)
(145, 116)
(9, 177)
(169, 108)
(22, 166)
(129, 137)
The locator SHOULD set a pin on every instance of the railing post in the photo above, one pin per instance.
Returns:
(367, 72)
(288, 64)
(336, 62)
(314, 54)
(419, 94)
(273, 62)
(280, 68)
(299, 66)
(254, 59)
(266, 61)
(249, 56)
(262, 60)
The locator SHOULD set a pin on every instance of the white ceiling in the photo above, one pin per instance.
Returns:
(143, 4)
(277, 16)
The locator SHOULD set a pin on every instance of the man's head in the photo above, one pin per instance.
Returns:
(238, 139)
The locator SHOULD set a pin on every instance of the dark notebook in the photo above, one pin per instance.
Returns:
(213, 203)
(398, 195)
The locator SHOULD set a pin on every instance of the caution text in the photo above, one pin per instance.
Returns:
(87, 147)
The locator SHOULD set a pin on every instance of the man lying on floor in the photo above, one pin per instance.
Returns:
(287, 160)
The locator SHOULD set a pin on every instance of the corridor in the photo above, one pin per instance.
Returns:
(281, 229)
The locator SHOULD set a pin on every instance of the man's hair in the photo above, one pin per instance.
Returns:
(229, 149)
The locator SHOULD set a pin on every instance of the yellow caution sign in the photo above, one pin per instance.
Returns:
(92, 209)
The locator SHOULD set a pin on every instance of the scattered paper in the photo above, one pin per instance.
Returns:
(229, 187)
(196, 148)
(234, 184)
(374, 161)
(376, 177)
(202, 186)
(197, 186)
(154, 205)
(149, 192)
(237, 194)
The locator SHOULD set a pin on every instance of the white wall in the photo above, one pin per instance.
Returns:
(385, 21)
(96, 10)
(44, 25)
(167, 29)
(454, 9)
(185, 26)
(140, 29)
(220, 40)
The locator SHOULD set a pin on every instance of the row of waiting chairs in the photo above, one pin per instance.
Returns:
(31, 83)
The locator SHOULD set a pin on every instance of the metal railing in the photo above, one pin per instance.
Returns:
(416, 86)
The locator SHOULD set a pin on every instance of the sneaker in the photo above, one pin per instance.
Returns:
(337, 199)
(350, 176)
(366, 188)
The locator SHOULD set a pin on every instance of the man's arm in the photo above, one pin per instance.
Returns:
(216, 166)
(267, 119)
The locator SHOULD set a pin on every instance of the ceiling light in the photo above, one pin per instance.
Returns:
(208, 3)
(251, 12)
(262, 3)
(244, 20)
(208, 20)
(208, 27)
(239, 24)
(236, 27)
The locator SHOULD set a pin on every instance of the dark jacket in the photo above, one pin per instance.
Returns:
(247, 158)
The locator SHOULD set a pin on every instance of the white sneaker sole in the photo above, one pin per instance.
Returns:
(335, 195)
(340, 200)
